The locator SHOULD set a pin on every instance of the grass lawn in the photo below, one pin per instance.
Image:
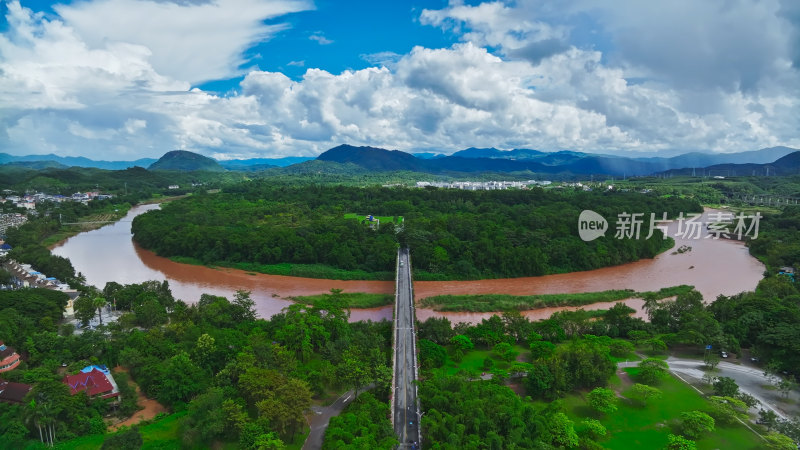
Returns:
(473, 361)
(162, 434)
(644, 427)
(628, 357)
(351, 299)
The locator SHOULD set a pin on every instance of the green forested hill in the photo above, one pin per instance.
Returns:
(452, 234)
(181, 160)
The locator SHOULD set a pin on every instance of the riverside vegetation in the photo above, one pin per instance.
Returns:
(304, 231)
(501, 302)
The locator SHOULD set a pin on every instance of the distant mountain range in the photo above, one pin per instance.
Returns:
(471, 160)
(53, 161)
(262, 163)
(786, 165)
(69, 161)
(692, 159)
(520, 160)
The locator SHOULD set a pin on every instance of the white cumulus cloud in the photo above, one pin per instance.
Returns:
(112, 79)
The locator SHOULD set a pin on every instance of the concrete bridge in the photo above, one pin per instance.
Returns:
(405, 402)
(777, 201)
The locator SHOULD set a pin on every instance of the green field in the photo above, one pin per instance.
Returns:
(161, 434)
(634, 426)
(501, 302)
(473, 361)
(351, 299)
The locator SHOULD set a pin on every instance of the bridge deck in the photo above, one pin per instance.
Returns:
(405, 404)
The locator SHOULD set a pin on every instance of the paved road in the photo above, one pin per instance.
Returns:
(406, 411)
(322, 417)
(751, 380)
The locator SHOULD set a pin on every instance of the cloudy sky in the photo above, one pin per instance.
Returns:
(123, 79)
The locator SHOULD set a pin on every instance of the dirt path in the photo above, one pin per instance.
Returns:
(150, 407)
(625, 381)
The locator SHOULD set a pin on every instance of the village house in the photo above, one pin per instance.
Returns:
(9, 359)
(95, 381)
(13, 393)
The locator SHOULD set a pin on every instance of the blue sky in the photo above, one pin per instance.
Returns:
(122, 79)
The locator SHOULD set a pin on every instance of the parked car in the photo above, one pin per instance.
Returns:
(723, 354)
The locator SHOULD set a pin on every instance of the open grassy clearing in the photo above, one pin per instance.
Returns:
(502, 302)
(383, 219)
(350, 299)
(472, 362)
(164, 434)
(635, 426)
(160, 434)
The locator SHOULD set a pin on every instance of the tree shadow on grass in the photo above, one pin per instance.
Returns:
(587, 412)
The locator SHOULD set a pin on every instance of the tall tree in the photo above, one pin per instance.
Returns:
(602, 399)
(84, 309)
(99, 303)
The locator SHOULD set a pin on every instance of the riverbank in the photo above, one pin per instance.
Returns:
(713, 267)
(502, 302)
(87, 223)
(325, 272)
(99, 220)
(319, 271)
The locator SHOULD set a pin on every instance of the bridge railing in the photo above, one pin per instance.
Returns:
(394, 337)
(414, 351)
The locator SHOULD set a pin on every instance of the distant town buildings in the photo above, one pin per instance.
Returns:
(11, 220)
(29, 202)
(482, 185)
(23, 276)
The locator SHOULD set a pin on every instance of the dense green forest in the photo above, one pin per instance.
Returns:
(245, 381)
(712, 191)
(569, 367)
(778, 243)
(451, 233)
(239, 379)
(66, 181)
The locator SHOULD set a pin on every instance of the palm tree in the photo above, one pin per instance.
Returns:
(31, 415)
(39, 413)
(99, 303)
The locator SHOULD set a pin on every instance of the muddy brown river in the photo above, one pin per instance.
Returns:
(713, 266)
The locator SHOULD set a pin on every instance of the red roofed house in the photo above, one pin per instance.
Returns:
(94, 383)
(9, 359)
(13, 392)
